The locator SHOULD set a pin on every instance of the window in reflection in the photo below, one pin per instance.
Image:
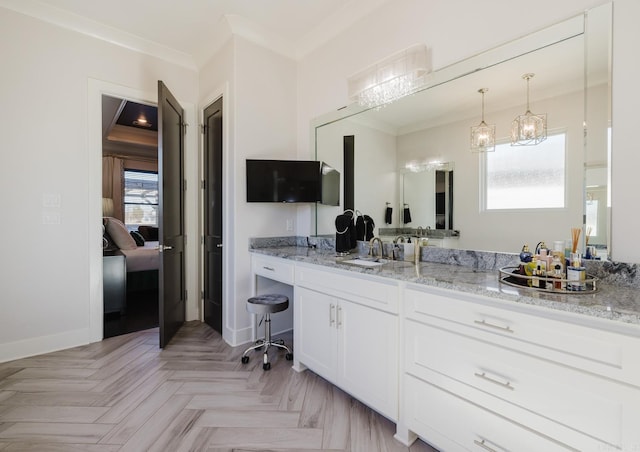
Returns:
(591, 212)
(531, 177)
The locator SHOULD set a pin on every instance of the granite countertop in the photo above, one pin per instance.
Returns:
(615, 302)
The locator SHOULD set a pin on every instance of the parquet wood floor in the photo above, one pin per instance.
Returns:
(125, 394)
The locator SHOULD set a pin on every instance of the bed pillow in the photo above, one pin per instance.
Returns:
(120, 235)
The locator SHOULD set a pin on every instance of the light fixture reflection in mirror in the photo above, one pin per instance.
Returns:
(483, 136)
(528, 129)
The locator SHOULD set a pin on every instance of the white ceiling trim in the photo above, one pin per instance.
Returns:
(97, 30)
(230, 24)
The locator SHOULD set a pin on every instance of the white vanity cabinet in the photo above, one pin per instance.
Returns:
(478, 374)
(346, 330)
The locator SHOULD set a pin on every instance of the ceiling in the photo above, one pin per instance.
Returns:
(189, 32)
(124, 132)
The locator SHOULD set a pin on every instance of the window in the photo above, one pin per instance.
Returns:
(140, 198)
(526, 177)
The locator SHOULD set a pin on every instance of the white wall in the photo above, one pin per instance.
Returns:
(456, 30)
(46, 150)
(625, 149)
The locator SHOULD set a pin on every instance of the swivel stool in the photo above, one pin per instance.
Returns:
(267, 305)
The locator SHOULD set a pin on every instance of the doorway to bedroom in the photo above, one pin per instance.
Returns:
(130, 204)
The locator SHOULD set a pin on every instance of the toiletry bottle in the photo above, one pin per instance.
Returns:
(558, 272)
(542, 259)
(558, 253)
(525, 254)
(535, 281)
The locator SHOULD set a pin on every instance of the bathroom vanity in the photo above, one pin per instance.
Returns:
(465, 363)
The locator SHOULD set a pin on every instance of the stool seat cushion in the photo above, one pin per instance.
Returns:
(267, 304)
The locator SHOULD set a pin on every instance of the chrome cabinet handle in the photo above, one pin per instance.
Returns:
(271, 269)
(339, 316)
(332, 319)
(506, 329)
(162, 248)
(483, 445)
(219, 245)
(506, 385)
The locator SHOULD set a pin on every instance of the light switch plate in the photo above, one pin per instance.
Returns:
(51, 200)
(51, 218)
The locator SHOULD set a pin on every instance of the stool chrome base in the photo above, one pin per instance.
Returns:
(266, 343)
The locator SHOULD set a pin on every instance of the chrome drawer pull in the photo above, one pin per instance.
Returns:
(483, 445)
(506, 385)
(339, 316)
(506, 329)
(332, 319)
(271, 269)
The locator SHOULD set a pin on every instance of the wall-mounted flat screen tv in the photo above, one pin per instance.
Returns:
(290, 181)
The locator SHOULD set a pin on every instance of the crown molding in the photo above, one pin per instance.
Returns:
(231, 24)
(100, 31)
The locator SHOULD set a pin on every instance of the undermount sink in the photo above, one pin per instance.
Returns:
(365, 261)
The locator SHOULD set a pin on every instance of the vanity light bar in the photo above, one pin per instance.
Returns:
(391, 78)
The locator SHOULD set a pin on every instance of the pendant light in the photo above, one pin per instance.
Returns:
(483, 136)
(528, 129)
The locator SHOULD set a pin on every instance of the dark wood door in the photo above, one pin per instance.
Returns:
(171, 234)
(213, 216)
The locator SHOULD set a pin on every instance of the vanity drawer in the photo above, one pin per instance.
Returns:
(588, 404)
(454, 424)
(355, 287)
(592, 349)
(273, 268)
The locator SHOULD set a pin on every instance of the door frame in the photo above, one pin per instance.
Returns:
(228, 238)
(95, 90)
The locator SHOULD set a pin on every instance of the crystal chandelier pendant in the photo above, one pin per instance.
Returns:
(483, 136)
(392, 78)
(528, 129)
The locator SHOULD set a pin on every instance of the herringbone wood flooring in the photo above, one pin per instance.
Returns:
(125, 394)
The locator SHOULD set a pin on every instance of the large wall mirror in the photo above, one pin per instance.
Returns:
(403, 148)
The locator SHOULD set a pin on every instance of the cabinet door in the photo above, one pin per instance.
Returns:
(317, 334)
(368, 354)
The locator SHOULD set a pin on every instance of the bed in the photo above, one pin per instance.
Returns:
(142, 257)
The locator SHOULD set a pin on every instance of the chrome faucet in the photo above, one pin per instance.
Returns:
(372, 242)
(399, 239)
(420, 231)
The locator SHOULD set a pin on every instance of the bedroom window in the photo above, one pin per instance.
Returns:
(140, 198)
(527, 177)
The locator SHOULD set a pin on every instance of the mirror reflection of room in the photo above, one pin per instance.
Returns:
(130, 216)
(515, 194)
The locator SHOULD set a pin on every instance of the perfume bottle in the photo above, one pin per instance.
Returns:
(525, 254)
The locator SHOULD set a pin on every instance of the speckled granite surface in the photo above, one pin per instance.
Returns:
(617, 299)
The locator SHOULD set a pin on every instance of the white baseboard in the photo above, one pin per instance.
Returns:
(237, 337)
(43, 344)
